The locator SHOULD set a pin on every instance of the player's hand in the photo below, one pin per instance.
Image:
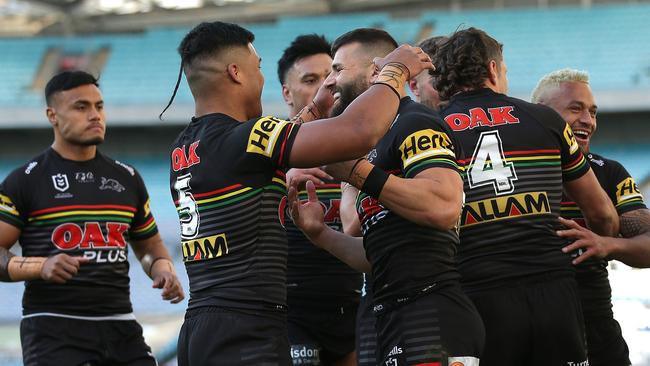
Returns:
(301, 176)
(413, 58)
(307, 215)
(61, 268)
(324, 100)
(588, 243)
(164, 277)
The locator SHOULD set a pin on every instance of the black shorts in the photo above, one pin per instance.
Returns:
(538, 323)
(366, 334)
(435, 327)
(52, 340)
(220, 336)
(605, 342)
(321, 336)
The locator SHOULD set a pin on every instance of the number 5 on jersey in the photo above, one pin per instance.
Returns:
(489, 165)
(187, 207)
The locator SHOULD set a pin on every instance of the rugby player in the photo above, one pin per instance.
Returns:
(73, 211)
(422, 85)
(410, 201)
(322, 292)
(567, 91)
(227, 182)
(518, 158)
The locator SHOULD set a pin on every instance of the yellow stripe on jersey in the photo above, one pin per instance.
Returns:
(218, 198)
(82, 212)
(7, 205)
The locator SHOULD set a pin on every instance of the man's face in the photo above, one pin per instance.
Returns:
(351, 74)
(252, 67)
(304, 78)
(426, 94)
(575, 103)
(78, 115)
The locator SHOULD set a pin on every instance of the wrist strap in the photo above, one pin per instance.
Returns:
(375, 182)
(25, 268)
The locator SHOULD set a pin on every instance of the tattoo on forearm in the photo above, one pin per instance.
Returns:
(635, 223)
(393, 75)
(307, 114)
(5, 256)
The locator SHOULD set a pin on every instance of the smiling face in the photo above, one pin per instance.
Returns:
(77, 116)
(574, 101)
(351, 75)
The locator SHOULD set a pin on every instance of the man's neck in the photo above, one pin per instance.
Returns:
(75, 152)
(203, 108)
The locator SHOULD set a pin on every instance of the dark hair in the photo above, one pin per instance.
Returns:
(430, 45)
(365, 36)
(303, 46)
(462, 61)
(67, 80)
(208, 39)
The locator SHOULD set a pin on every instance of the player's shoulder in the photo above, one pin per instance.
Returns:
(603, 162)
(30, 169)
(543, 114)
(412, 115)
(117, 165)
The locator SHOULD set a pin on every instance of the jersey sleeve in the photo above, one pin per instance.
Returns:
(624, 192)
(12, 205)
(574, 164)
(271, 139)
(143, 225)
(422, 144)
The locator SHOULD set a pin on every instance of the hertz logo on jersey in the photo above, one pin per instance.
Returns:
(570, 139)
(627, 190)
(209, 247)
(264, 135)
(492, 209)
(424, 144)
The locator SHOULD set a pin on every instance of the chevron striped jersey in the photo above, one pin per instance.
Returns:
(91, 208)
(593, 282)
(228, 185)
(405, 256)
(516, 157)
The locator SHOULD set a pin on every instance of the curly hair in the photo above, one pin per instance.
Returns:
(462, 62)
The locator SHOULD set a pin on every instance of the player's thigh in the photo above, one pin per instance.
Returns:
(366, 333)
(442, 326)
(558, 325)
(59, 341)
(125, 344)
(605, 343)
(212, 335)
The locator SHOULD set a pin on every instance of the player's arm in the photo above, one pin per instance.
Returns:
(364, 121)
(308, 216)
(633, 248)
(158, 265)
(58, 269)
(348, 210)
(597, 208)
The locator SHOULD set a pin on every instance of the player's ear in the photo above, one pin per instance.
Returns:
(51, 116)
(374, 72)
(234, 73)
(286, 94)
(413, 85)
(493, 72)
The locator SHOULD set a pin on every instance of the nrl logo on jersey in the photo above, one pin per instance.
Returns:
(60, 182)
(112, 184)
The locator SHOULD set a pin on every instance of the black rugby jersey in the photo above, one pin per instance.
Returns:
(80, 208)
(517, 155)
(405, 256)
(313, 274)
(592, 276)
(228, 185)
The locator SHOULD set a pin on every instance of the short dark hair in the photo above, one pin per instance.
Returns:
(462, 61)
(208, 39)
(365, 36)
(67, 80)
(303, 46)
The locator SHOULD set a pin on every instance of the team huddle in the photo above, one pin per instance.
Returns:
(464, 227)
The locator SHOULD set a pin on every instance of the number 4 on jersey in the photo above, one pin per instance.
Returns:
(489, 165)
(187, 208)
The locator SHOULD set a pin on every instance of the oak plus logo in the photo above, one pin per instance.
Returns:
(99, 248)
(60, 182)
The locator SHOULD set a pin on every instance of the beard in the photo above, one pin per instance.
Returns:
(93, 141)
(349, 92)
